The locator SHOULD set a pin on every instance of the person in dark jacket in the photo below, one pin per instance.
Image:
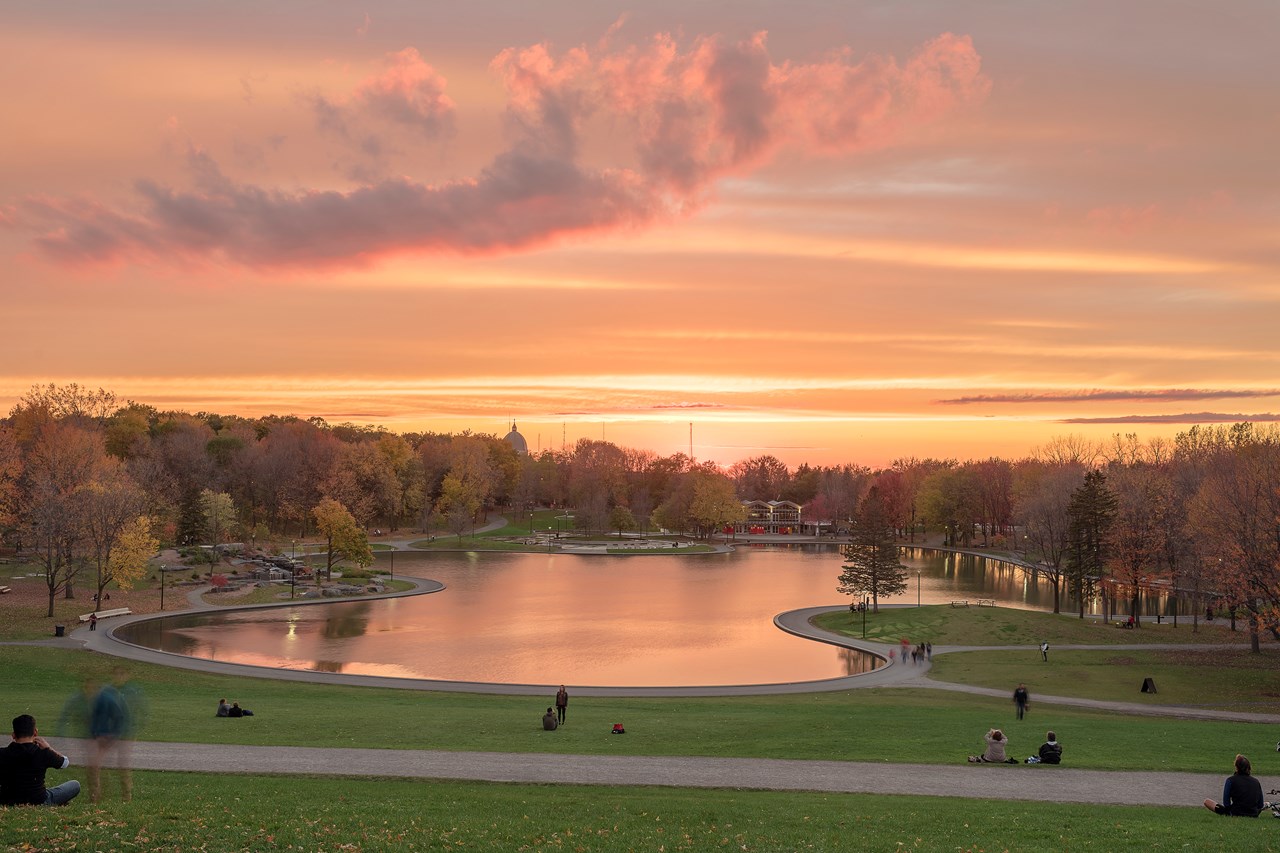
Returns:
(562, 703)
(22, 767)
(1241, 795)
(1051, 750)
(549, 722)
(1021, 698)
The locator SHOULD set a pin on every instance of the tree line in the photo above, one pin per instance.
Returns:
(82, 474)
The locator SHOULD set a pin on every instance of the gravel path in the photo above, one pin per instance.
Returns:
(1002, 782)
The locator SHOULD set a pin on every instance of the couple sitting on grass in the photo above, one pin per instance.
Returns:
(997, 743)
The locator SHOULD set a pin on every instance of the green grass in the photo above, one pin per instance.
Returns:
(930, 726)
(1003, 626)
(518, 525)
(1234, 678)
(187, 811)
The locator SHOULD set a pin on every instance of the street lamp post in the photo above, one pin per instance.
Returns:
(864, 617)
(293, 568)
(162, 587)
(917, 589)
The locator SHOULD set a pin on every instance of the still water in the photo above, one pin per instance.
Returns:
(587, 620)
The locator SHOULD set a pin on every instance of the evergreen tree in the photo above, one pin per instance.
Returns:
(871, 557)
(1092, 511)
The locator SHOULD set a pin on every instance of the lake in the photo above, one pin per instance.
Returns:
(637, 621)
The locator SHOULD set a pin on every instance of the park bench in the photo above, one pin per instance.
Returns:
(986, 602)
(103, 614)
(963, 603)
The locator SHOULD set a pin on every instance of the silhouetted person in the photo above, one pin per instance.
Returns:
(23, 764)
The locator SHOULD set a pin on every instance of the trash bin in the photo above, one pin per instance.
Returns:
(59, 630)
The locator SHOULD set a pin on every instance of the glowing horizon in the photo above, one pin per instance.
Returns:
(833, 234)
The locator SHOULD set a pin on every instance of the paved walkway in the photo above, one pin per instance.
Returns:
(987, 781)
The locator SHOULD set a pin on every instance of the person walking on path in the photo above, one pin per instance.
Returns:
(1242, 793)
(1044, 651)
(562, 704)
(93, 621)
(22, 767)
(1022, 699)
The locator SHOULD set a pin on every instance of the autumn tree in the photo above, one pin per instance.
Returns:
(10, 479)
(62, 461)
(949, 500)
(1136, 529)
(219, 514)
(621, 520)
(407, 500)
(344, 538)
(1236, 513)
(1042, 501)
(760, 478)
(714, 504)
(364, 480)
(871, 560)
(458, 503)
(109, 504)
(134, 546)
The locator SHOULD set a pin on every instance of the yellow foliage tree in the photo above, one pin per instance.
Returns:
(135, 545)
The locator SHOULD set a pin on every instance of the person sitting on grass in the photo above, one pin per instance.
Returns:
(995, 754)
(549, 721)
(224, 710)
(22, 767)
(1050, 751)
(1242, 793)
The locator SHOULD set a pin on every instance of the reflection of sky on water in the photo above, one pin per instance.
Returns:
(543, 619)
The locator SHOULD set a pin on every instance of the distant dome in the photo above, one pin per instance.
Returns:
(516, 440)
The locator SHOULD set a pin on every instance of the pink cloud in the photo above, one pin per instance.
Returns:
(695, 116)
(407, 91)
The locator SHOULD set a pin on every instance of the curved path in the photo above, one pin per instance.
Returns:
(797, 622)
(899, 674)
(1000, 782)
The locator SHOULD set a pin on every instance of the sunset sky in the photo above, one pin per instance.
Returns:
(830, 231)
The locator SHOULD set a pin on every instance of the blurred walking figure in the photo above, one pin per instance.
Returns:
(76, 711)
(114, 719)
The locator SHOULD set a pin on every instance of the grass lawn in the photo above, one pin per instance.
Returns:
(1003, 626)
(187, 811)
(22, 612)
(1233, 678)
(927, 726)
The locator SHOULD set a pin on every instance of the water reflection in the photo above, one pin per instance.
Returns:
(557, 618)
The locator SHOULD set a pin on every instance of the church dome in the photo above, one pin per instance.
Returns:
(516, 440)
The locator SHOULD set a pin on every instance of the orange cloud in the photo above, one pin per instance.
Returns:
(695, 115)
